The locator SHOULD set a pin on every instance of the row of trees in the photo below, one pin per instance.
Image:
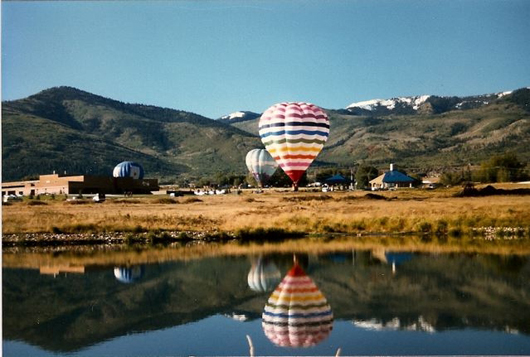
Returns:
(500, 168)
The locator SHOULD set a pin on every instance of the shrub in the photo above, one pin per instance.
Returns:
(165, 200)
(77, 202)
(424, 227)
(191, 200)
(37, 203)
(441, 227)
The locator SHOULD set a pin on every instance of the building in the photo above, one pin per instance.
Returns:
(82, 184)
(391, 179)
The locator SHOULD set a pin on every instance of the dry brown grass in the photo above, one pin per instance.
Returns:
(335, 212)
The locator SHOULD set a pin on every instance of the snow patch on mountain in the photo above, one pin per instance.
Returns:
(238, 116)
(414, 102)
(235, 115)
(502, 94)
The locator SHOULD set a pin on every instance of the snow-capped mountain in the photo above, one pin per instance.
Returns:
(391, 104)
(395, 324)
(239, 116)
(421, 104)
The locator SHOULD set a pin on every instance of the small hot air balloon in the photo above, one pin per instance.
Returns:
(264, 275)
(129, 274)
(297, 314)
(261, 165)
(294, 134)
(128, 169)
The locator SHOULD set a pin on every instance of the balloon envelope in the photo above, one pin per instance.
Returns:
(129, 274)
(263, 276)
(128, 169)
(297, 314)
(261, 165)
(294, 134)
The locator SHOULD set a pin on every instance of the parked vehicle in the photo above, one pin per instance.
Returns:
(100, 197)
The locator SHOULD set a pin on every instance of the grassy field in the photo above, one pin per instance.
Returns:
(357, 213)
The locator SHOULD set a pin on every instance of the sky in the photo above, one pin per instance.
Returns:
(220, 56)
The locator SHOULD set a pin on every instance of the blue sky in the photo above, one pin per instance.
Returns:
(216, 57)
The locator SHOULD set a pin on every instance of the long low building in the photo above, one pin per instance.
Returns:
(82, 184)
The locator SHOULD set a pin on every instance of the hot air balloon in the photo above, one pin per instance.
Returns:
(129, 274)
(294, 134)
(128, 169)
(297, 314)
(264, 275)
(261, 165)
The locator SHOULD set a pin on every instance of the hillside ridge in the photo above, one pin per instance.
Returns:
(83, 133)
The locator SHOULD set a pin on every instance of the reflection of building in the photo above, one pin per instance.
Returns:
(56, 269)
(86, 184)
(391, 179)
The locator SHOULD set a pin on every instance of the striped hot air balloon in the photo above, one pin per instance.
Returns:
(261, 165)
(297, 314)
(294, 134)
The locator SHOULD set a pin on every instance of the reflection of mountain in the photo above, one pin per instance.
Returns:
(394, 324)
(69, 312)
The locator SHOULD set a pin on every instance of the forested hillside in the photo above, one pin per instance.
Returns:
(65, 129)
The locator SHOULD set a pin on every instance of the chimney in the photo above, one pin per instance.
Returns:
(391, 167)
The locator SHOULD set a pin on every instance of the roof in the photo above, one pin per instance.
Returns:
(336, 179)
(396, 177)
(378, 180)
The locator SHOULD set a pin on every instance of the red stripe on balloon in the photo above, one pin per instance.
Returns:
(296, 270)
(295, 175)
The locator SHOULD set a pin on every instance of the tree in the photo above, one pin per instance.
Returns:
(501, 168)
(364, 174)
(454, 178)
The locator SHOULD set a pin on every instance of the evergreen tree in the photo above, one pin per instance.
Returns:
(364, 174)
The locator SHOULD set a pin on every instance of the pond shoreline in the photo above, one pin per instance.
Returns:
(20, 243)
(146, 238)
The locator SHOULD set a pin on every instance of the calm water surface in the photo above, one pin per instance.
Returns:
(369, 303)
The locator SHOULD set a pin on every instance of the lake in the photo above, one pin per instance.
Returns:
(363, 302)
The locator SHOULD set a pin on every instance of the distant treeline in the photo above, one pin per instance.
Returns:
(500, 168)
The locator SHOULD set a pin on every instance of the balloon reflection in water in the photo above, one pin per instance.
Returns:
(264, 275)
(129, 274)
(297, 314)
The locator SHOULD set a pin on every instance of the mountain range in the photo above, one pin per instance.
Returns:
(65, 129)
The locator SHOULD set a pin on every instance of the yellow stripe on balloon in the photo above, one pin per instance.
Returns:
(312, 297)
(306, 149)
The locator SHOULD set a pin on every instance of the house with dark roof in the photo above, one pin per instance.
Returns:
(391, 179)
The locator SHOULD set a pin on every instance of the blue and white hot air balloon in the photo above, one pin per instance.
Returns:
(128, 169)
